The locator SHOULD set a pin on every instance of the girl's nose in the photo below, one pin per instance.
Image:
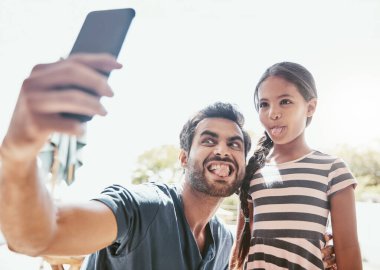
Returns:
(275, 115)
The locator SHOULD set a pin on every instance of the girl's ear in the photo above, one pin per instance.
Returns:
(183, 158)
(311, 107)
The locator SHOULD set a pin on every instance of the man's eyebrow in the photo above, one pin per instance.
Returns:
(236, 138)
(209, 133)
(215, 135)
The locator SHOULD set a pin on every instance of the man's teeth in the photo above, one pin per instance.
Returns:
(220, 169)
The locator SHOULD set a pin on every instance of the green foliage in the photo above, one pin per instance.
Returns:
(365, 192)
(229, 209)
(158, 164)
(365, 165)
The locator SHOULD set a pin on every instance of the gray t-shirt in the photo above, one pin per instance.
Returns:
(153, 233)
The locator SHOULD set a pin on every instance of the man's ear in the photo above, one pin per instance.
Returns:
(311, 107)
(183, 158)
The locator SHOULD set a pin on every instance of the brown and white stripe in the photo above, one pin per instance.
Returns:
(291, 208)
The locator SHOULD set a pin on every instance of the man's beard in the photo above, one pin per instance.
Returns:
(198, 181)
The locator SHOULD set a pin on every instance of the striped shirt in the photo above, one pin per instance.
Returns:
(291, 208)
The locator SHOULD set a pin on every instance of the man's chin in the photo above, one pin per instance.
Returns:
(208, 184)
(220, 189)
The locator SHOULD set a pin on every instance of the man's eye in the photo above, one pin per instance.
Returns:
(285, 101)
(236, 145)
(208, 141)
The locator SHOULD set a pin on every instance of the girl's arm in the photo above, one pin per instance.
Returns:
(239, 228)
(343, 217)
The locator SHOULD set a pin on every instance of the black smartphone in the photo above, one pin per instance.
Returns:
(103, 31)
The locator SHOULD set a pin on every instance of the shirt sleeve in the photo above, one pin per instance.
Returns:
(134, 208)
(340, 177)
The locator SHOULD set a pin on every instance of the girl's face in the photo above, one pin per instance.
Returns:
(282, 109)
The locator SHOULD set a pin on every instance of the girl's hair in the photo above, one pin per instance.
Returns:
(256, 162)
(304, 81)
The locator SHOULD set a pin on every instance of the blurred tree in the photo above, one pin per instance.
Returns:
(158, 164)
(228, 210)
(364, 163)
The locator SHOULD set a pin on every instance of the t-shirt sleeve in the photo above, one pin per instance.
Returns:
(134, 207)
(340, 177)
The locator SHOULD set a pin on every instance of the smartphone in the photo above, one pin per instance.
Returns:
(103, 31)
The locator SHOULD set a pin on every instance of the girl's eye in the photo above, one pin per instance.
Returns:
(285, 101)
(263, 104)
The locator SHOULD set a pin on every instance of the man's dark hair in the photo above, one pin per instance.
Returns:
(216, 110)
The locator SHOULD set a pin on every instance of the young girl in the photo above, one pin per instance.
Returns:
(289, 188)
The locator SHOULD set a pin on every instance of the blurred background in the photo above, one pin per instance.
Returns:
(180, 56)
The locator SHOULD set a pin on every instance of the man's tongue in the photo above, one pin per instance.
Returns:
(220, 170)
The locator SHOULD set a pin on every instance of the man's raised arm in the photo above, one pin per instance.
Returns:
(29, 220)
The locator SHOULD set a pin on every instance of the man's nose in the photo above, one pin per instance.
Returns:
(221, 150)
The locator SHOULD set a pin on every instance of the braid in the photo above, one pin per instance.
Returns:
(256, 162)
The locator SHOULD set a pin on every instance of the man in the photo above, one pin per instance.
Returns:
(150, 226)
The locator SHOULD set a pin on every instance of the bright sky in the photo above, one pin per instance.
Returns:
(182, 55)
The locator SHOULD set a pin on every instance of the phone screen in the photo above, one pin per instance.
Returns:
(103, 31)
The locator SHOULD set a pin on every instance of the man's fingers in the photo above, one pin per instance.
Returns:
(102, 61)
(328, 237)
(329, 262)
(328, 256)
(332, 267)
(41, 67)
(72, 85)
(328, 251)
(56, 123)
(81, 70)
(67, 74)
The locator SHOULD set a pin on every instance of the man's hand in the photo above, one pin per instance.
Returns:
(328, 253)
(32, 224)
(42, 99)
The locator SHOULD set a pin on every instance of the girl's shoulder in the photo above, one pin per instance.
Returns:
(314, 158)
(324, 157)
(339, 174)
(334, 162)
